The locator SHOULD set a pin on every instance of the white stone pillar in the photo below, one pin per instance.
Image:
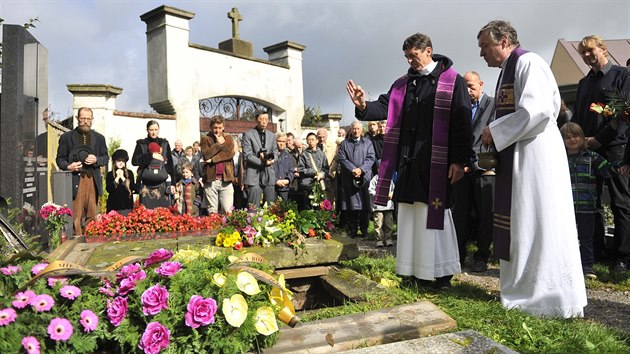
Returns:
(290, 53)
(100, 98)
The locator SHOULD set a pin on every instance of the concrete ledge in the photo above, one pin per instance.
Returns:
(372, 328)
(464, 342)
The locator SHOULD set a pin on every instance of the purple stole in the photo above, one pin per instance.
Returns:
(504, 105)
(439, 147)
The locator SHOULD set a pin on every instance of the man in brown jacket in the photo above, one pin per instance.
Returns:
(218, 153)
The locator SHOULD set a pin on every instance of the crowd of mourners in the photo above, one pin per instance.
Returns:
(540, 206)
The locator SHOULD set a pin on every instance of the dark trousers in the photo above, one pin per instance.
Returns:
(256, 194)
(472, 213)
(619, 189)
(586, 230)
(357, 220)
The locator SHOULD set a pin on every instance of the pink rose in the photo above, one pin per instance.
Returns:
(126, 285)
(127, 270)
(117, 310)
(168, 269)
(200, 311)
(154, 299)
(155, 338)
(158, 256)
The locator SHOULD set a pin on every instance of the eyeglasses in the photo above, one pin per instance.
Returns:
(85, 119)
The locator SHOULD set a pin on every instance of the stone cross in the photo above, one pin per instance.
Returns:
(235, 17)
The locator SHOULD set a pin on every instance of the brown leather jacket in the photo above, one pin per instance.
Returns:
(211, 149)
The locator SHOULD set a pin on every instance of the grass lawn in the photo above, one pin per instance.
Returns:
(474, 308)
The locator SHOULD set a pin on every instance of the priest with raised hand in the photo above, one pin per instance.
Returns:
(428, 141)
(534, 225)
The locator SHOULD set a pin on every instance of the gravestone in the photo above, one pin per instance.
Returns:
(24, 100)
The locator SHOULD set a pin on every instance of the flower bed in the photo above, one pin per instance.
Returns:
(193, 301)
(280, 223)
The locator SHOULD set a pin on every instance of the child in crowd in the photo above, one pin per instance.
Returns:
(155, 179)
(312, 167)
(383, 215)
(188, 192)
(585, 167)
(120, 184)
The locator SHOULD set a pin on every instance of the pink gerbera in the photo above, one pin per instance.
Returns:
(7, 316)
(70, 292)
(60, 329)
(37, 268)
(42, 302)
(22, 299)
(10, 270)
(31, 344)
(89, 320)
(57, 281)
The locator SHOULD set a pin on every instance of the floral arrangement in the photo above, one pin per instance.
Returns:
(55, 217)
(618, 107)
(317, 194)
(278, 223)
(190, 301)
(147, 221)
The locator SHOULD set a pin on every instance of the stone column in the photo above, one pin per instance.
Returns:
(331, 122)
(100, 98)
(290, 53)
(170, 68)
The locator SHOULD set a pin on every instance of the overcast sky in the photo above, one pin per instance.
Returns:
(104, 41)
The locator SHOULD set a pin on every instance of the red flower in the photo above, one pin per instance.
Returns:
(238, 245)
(327, 236)
(311, 232)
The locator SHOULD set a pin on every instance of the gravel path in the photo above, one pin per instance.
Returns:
(605, 305)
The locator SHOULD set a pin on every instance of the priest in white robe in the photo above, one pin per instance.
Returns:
(541, 272)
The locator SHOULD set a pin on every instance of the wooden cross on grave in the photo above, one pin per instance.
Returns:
(235, 17)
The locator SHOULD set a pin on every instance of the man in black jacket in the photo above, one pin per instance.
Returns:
(606, 139)
(83, 151)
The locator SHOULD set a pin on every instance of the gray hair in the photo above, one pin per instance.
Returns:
(499, 28)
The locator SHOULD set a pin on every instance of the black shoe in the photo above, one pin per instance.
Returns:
(621, 267)
(479, 266)
(443, 283)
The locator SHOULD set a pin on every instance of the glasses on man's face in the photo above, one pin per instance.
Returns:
(82, 119)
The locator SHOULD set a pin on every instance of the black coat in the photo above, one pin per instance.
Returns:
(69, 141)
(414, 148)
(142, 157)
(119, 197)
(351, 155)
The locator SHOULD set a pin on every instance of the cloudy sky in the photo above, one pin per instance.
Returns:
(104, 41)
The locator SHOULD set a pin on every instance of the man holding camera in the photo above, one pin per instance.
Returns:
(259, 148)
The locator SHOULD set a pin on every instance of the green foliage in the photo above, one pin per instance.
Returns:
(474, 308)
(312, 116)
(195, 278)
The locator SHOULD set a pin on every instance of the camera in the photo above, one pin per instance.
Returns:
(266, 155)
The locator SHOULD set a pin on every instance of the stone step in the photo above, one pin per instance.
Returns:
(464, 342)
(403, 322)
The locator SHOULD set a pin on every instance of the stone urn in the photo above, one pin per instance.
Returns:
(487, 159)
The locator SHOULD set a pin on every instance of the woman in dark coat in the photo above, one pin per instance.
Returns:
(120, 184)
(153, 194)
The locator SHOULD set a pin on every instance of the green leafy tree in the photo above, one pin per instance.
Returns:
(312, 116)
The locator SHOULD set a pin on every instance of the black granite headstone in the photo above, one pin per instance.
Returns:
(24, 98)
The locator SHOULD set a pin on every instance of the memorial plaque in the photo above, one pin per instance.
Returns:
(23, 169)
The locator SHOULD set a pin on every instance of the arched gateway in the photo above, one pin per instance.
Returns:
(186, 78)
